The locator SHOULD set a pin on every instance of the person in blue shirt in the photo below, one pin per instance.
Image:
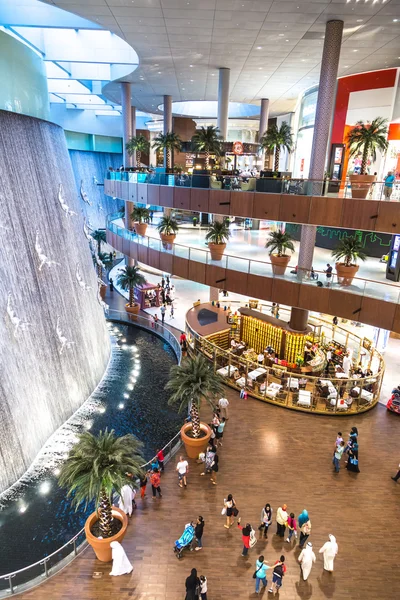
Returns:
(388, 189)
(261, 573)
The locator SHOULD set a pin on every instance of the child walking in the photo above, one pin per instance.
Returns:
(292, 527)
(203, 587)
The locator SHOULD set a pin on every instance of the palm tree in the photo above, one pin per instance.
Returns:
(138, 144)
(191, 382)
(276, 139)
(279, 241)
(169, 142)
(168, 226)
(207, 140)
(98, 465)
(140, 214)
(99, 236)
(218, 232)
(350, 249)
(367, 138)
(128, 279)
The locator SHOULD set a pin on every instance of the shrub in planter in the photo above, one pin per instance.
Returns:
(348, 251)
(279, 241)
(217, 236)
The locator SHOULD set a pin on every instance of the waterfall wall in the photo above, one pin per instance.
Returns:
(54, 341)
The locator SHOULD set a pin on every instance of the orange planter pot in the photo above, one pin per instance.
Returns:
(346, 274)
(279, 263)
(217, 251)
(102, 547)
(133, 310)
(360, 185)
(194, 446)
(103, 289)
(140, 228)
(167, 240)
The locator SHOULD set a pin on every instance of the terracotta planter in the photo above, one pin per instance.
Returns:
(193, 446)
(360, 185)
(140, 228)
(167, 240)
(133, 310)
(279, 263)
(102, 547)
(217, 251)
(103, 289)
(346, 274)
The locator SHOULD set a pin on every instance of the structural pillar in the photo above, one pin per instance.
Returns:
(223, 102)
(133, 130)
(264, 114)
(167, 121)
(126, 120)
(323, 115)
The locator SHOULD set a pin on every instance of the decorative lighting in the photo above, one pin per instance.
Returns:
(22, 508)
(129, 386)
(121, 405)
(123, 340)
(45, 487)
(102, 410)
(126, 395)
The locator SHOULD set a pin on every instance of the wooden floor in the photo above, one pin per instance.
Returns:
(269, 455)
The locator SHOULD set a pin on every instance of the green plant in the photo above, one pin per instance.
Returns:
(168, 226)
(207, 140)
(367, 138)
(99, 236)
(96, 466)
(128, 279)
(140, 214)
(191, 382)
(274, 139)
(218, 233)
(138, 144)
(279, 241)
(178, 168)
(349, 249)
(169, 142)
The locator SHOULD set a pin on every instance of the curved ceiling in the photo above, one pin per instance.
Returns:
(207, 109)
(273, 47)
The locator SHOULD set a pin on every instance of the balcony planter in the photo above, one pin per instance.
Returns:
(346, 274)
(133, 310)
(194, 446)
(103, 289)
(360, 185)
(167, 240)
(140, 228)
(217, 251)
(279, 263)
(102, 547)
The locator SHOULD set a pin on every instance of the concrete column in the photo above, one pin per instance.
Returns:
(128, 211)
(223, 101)
(126, 120)
(152, 152)
(133, 130)
(167, 121)
(263, 124)
(298, 319)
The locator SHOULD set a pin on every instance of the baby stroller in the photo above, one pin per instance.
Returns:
(184, 541)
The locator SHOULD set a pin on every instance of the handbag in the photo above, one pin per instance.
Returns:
(256, 571)
(235, 511)
(253, 538)
(223, 511)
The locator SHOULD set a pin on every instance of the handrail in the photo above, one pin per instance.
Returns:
(172, 444)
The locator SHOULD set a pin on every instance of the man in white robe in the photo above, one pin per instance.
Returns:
(306, 560)
(127, 499)
(121, 564)
(329, 550)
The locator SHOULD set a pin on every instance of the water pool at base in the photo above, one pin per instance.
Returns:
(36, 518)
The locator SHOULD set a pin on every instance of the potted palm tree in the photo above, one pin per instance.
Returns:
(138, 144)
(168, 228)
(366, 139)
(207, 140)
(191, 383)
(274, 140)
(347, 252)
(128, 279)
(279, 241)
(168, 142)
(140, 217)
(96, 467)
(99, 236)
(217, 236)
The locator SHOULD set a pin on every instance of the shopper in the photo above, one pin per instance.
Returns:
(306, 560)
(208, 459)
(260, 573)
(339, 438)
(337, 456)
(183, 469)
(246, 530)
(143, 485)
(278, 574)
(328, 273)
(329, 550)
(223, 405)
(388, 187)
(160, 458)
(111, 283)
(171, 314)
(198, 532)
(214, 467)
(127, 499)
(203, 587)
(220, 431)
(155, 321)
(266, 519)
(305, 527)
(192, 584)
(352, 460)
(353, 437)
(292, 527)
(397, 476)
(231, 511)
(163, 311)
(155, 483)
(281, 520)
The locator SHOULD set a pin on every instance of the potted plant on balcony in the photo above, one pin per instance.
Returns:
(140, 217)
(168, 228)
(207, 140)
(99, 236)
(366, 139)
(217, 236)
(168, 142)
(191, 383)
(96, 466)
(349, 250)
(138, 144)
(274, 140)
(128, 279)
(279, 241)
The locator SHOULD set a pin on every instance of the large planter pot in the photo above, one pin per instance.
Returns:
(360, 185)
(193, 446)
(103, 289)
(140, 228)
(101, 547)
(133, 310)
(167, 240)
(346, 274)
(279, 263)
(217, 251)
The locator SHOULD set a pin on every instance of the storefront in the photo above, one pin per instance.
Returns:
(305, 133)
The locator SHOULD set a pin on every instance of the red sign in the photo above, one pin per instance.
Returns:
(237, 148)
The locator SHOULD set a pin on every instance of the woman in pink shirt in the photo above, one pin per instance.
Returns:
(245, 536)
(292, 527)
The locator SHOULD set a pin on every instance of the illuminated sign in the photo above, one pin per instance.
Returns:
(237, 148)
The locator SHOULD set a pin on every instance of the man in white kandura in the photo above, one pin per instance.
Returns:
(306, 560)
(127, 499)
(329, 550)
(121, 564)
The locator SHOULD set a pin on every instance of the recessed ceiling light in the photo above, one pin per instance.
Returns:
(159, 72)
(395, 20)
(360, 20)
(355, 50)
(190, 66)
(281, 34)
(259, 47)
(156, 65)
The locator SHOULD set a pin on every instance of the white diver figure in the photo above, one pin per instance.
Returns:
(84, 195)
(44, 260)
(80, 280)
(61, 338)
(62, 202)
(18, 323)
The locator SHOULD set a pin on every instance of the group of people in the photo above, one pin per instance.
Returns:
(350, 448)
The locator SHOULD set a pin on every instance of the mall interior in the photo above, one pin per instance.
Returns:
(202, 202)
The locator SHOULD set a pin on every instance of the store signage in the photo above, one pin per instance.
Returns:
(237, 148)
